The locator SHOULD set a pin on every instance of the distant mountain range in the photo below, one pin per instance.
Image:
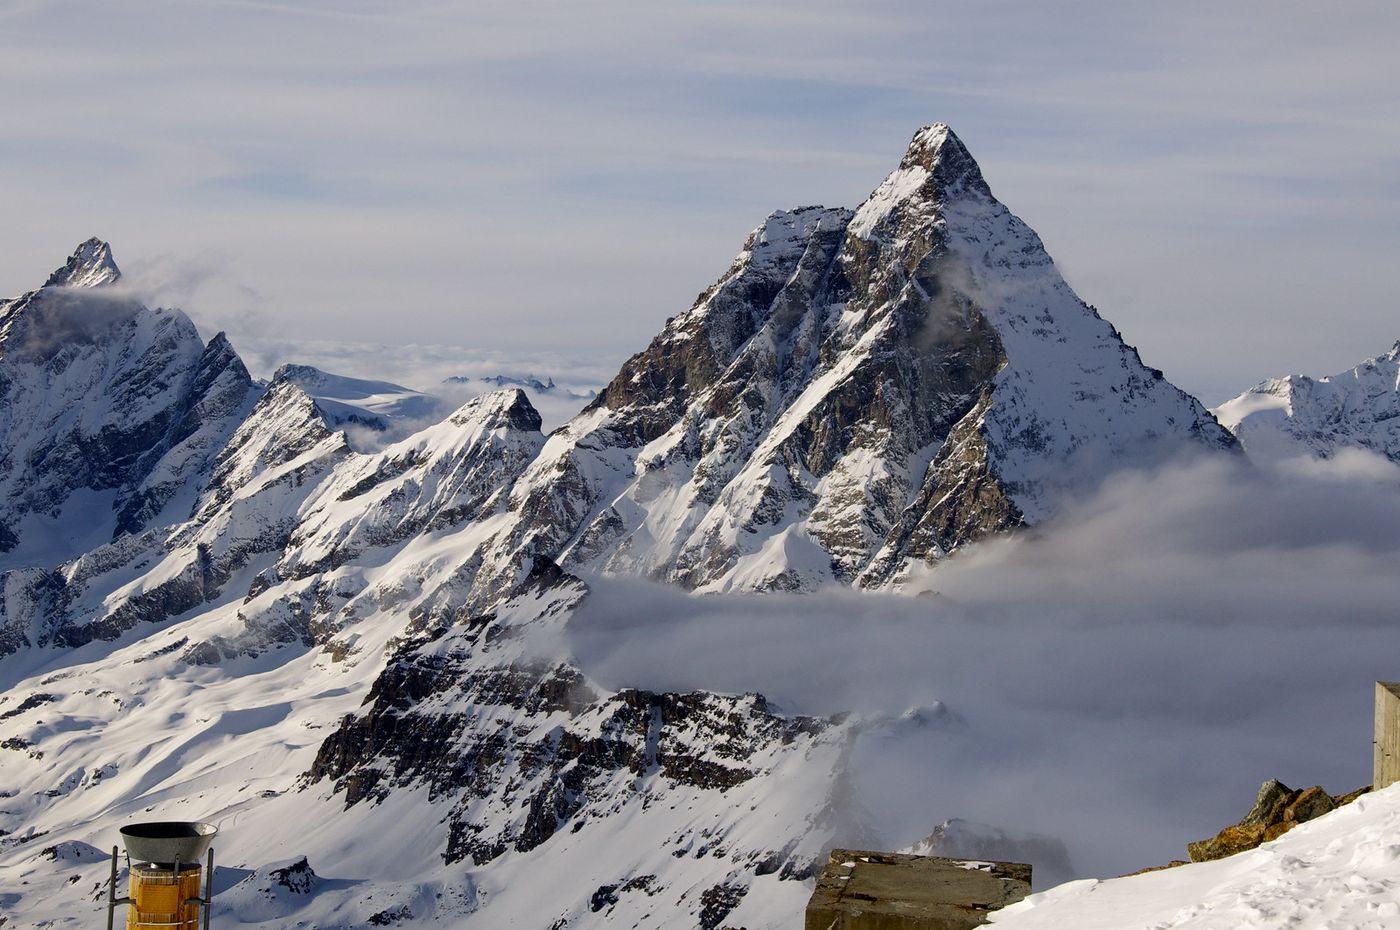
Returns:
(531, 383)
(1299, 415)
(328, 611)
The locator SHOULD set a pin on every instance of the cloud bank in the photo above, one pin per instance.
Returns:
(1123, 678)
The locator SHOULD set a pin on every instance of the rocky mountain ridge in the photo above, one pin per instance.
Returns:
(861, 393)
(371, 641)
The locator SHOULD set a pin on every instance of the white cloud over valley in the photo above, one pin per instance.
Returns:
(1123, 678)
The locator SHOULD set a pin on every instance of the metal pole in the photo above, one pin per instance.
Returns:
(112, 890)
(209, 889)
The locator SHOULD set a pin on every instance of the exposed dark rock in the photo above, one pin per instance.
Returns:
(608, 895)
(391, 916)
(298, 878)
(717, 901)
(29, 703)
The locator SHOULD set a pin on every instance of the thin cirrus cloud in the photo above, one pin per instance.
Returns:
(560, 177)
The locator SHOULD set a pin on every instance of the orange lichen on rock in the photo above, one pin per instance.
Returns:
(1277, 809)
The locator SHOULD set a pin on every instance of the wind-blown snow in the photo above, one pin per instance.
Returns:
(110, 412)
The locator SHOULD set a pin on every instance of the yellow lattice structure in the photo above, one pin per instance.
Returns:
(161, 899)
(163, 883)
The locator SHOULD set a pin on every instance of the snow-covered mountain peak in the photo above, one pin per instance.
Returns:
(113, 412)
(90, 265)
(508, 408)
(938, 149)
(1301, 415)
(859, 393)
(935, 168)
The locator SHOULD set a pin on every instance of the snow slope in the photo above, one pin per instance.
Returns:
(1341, 870)
(1299, 415)
(474, 766)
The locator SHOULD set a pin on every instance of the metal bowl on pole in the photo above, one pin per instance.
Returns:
(164, 875)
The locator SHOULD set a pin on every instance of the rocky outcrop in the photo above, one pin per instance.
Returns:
(1276, 810)
(571, 753)
(278, 455)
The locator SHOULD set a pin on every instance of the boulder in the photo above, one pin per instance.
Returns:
(1277, 809)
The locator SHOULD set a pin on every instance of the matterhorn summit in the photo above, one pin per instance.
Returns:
(860, 393)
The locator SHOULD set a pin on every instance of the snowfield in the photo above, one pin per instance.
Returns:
(1339, 872)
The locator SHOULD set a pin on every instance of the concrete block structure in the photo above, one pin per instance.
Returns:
(1386, 749)
(889, 891)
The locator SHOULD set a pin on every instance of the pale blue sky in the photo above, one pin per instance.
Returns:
(1224, 184)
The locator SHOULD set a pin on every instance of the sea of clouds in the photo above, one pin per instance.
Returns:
(1122, 678)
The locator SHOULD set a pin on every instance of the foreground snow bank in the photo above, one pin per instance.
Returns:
(1341, 870)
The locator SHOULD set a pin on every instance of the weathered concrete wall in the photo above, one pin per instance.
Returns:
(889, 891)
(1386, 768)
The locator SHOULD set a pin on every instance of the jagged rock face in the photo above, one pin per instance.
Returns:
(1301, 416)
(444, 475)
(861, 392)
(353, 539)
(248, 510)
(312, 531)
(109, 412)
(524, 754)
